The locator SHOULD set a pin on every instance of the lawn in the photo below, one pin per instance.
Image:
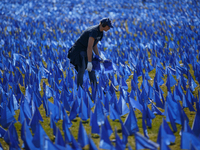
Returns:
(34, 44)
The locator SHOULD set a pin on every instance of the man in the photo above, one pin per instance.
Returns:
(80, 54)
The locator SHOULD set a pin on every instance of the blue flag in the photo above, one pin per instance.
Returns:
(93, 123)
(6, 117)
(157, 100)
(172, 120)
(122, 106)
(82, 136)
(59, 139)
(105, 142)
(168, 131)
(155, 110)
(188, 139)
(48, 144)
(66, 121)
(196, 122)
(35, 119)
(92, 145)
(98, 112)
(38, 138)
(144, 127)
(68, 136)
(21, 115)
(75, 144)
(142, 142)
(191, 82)
(11, 132)
(131, 122)
(74, 110)
(170, 81)
(83, 111)
(162, 136)
(118, 142)
(107, 126)
(26, 136)
(2, 132)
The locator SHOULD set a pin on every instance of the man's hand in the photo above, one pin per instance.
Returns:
(89, 66)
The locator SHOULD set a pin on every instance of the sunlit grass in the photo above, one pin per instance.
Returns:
(152, 132)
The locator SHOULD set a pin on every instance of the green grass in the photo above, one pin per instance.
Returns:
(152, 132)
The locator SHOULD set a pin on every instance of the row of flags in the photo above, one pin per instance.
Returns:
(160, 37)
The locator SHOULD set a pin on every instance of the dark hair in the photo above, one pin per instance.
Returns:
(104, 22)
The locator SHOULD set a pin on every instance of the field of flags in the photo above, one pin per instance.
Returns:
(156, 41)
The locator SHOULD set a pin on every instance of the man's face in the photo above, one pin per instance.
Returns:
(106, 28)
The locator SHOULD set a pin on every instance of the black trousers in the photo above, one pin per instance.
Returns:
(81, 71)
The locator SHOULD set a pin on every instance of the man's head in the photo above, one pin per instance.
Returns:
(106, 24)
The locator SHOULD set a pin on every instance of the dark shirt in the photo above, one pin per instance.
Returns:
(82, 43)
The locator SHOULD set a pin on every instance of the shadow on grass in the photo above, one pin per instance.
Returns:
(95, 136)
(74, 120)
(119, 131)
(85, 122)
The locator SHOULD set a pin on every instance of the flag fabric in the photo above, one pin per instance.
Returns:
(83, 111)
(67, 134)
(2, 132)
(34, 46)
(118, 142)
(59, 139)
(53, 124)
(131, 122)
(122, 106)
(165, 134)
(74, 143)
(105, 142)
(135, 104)
(93, 123)
(186, 128)
(155, 110)
(96, 63)
(186, 103)
(168, 131)
(108, 65)
(170, 81)
(21, 115)
(157, 100)
(48, 144)
(125, 132)
(82, 136)
(66, 120)
(38, 138)
(143, 143)
(11, 135)
(35, 120)
(172, 120)
(108, 126)
(92, 145)
(98, 112)
(6, 117)
(74, 110)
(144, 127)
(196, 122)
(188, 140)
(113, 113)
(26, 136)
(191, 82)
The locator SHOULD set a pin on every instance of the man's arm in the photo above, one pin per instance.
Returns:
(95, 48)
(89, 48)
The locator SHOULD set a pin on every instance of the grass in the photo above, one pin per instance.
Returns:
(152, 132)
